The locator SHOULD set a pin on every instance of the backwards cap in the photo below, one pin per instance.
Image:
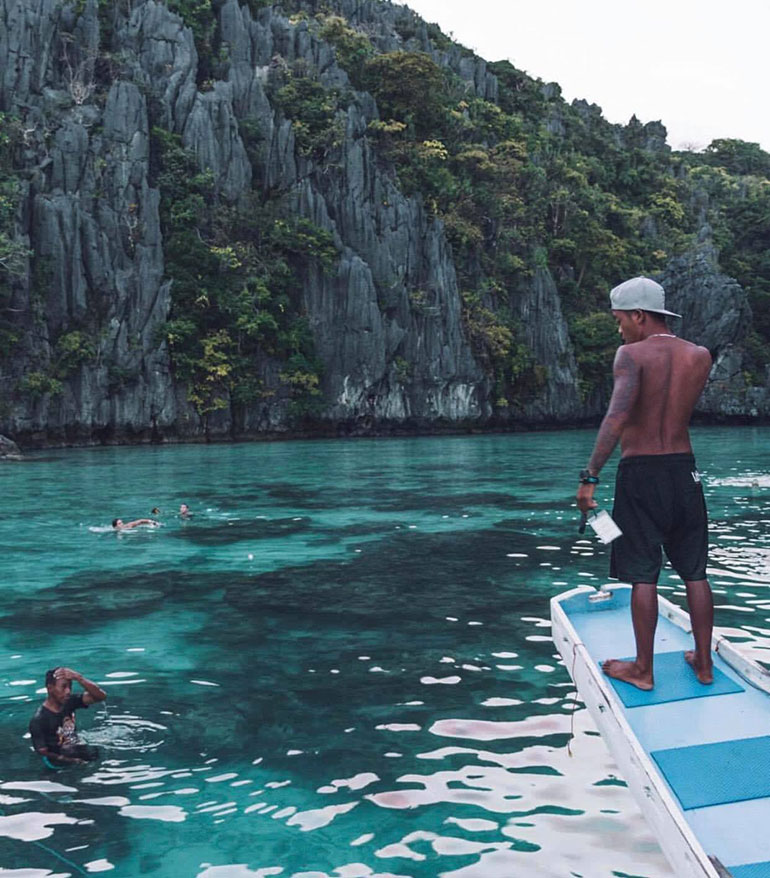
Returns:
(640, 293)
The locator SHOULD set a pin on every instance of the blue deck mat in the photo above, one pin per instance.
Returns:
(717, 774)
(751, 870)
(675, 680)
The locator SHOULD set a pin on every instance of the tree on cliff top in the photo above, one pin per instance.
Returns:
(409, 87)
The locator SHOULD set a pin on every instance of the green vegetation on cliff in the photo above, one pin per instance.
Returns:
(236, 276)
(735, 175)
(546, 205)
(529, 181)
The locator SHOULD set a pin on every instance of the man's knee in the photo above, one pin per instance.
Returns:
(696, 583)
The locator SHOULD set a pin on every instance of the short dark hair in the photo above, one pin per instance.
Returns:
(115, 522)
(50, 676)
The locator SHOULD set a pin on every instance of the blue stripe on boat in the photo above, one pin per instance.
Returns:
(675, 680)
(715, 774)
(751, 870)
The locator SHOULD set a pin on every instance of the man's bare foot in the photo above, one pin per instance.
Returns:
(704, 673)
(629, 673)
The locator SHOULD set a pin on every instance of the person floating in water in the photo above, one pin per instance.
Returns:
(119, 524)
(659, 499)
(52, 727)
(184, 511)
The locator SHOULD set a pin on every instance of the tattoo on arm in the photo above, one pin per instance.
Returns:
(625, 392)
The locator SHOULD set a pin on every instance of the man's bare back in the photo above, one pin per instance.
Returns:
(657, 381)
(671, 374)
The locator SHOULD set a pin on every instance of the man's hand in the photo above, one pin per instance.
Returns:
(585, 498)
(92, 694)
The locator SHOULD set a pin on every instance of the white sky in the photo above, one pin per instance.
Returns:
(699, 66)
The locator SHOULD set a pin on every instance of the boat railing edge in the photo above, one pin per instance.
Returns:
(747, 668)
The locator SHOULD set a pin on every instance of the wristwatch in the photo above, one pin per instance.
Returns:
(587, 479)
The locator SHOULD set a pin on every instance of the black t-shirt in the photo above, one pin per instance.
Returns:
(56, 731)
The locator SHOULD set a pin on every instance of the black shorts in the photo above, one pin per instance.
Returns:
(659, 503)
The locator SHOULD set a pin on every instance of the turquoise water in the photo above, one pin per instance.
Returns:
(341, 666)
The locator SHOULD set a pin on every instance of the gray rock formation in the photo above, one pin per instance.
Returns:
(714, 308)
(9, 450)
(546, 333)
(387, 322)
(716, 314)
(93, 218)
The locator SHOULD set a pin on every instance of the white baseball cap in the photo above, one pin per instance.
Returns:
(640, 293)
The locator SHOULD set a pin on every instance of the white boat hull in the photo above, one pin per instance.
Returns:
(688, 854)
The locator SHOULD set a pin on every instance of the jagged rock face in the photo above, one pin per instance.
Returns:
(363, 319)
(387, 322)
(546, 333)
(714, 308)
(92, 218)
(9, 450)
(716, 314)
(728, 394)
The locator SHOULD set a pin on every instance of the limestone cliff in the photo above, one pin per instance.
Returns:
(90, 361)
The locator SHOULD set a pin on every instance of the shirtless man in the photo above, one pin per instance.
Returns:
(658, 496)
(53, 726)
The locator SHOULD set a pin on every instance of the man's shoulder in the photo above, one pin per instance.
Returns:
(691, 345)
(695, 353)
(42, 716)
(703, 352)
(41, 711)
(629, 353)
(639, 350)
(45, 714)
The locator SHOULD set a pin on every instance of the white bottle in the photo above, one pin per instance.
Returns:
(604, 527)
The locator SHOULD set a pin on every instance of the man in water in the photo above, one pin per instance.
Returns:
(119, 524)
(184, 511)
(53, 726)
(658, 496)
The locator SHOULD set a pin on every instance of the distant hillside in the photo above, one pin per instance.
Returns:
(223, 219)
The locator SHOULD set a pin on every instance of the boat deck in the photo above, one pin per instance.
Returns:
(726, 806)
